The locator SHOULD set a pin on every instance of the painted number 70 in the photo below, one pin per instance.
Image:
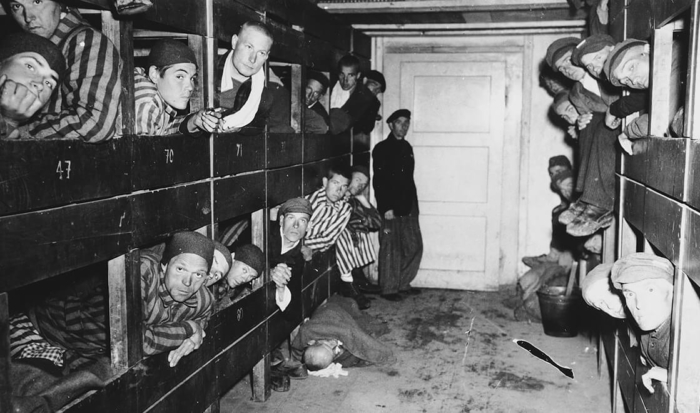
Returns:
(63, 166)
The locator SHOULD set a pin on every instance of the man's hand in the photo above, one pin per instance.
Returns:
(281, 275)
(572, 132)
(655, 373)
(611, 121)
(17, 102)
(363, 200)
(206, 120)
(584, 120)
(189, 345)
(389, 214)
(307, 252)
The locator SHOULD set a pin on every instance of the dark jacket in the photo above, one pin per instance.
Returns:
(393, 176)
(359, 112)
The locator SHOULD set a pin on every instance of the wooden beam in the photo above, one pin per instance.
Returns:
(426, 6)
(660, 89)
(120, 32)
(125, 311)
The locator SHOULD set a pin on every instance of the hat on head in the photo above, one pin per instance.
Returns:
(560, 160)
(599, 273)
(319, 77)
(188, 242)
(301, 205)
(616, 57)
(640, 266)
(168, 52)
(224, 251)
(591, 44)
(252, 256)
(405, 113)
(377, 77)
(24, 42)
(560, 98)
(558, 48)
(361, 169)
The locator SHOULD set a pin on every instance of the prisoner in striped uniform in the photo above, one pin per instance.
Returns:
(331, 211)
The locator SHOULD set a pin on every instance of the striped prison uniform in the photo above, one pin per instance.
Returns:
(87, 105)
(154, 117)
(25, 342)
(354, 248)
(327, 222)
(165, 320)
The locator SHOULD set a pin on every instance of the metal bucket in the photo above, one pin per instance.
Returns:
(559, 312)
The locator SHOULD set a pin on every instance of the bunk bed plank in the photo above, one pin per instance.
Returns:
(229, 16)
(639, 19)
(659, 163)
(662, 224)
(692, 195)
(160, 161)
(633, 205)
(289, 43)
(284, 149)
(58, 240)
(41, 174)
(626, 377)
(317, 147)
(238, 195)
(319, 25)
(691, 263)
(321, 56)
(160, 213)
(283, 184)
(664, 11)
(185, 15)
(237, 152)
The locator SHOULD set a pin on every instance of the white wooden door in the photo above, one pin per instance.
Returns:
(457, 130)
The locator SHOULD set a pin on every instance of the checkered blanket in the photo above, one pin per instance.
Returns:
(25, 342)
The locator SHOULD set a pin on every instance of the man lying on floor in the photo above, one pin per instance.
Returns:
(338, 332)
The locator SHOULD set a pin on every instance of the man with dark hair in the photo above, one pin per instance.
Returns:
(88, 103)
(31, 68)
(315, 115)
(353, 105)
(400, 239)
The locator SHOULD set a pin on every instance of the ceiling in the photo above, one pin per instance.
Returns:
(402, 17)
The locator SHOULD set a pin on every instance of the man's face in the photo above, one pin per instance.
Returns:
(36, 16)
(335, 187)
(594, 62)
(599, 296)
(241, 273)
(250, 51)
(565, 187)
(219, 268)
(33, 71)
(568, 69)
(184, 275)
(176, 85)
(358, 183)
(373, 86)
(348, 77)
(568, 112)
(294, 225)
(400, 126)
(650, 302)
(555, 169)
(314, 91)
(633, 71)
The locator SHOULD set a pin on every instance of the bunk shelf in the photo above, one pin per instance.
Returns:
(283, 184)
(238, 195)
(663, 218)
(284, 149)
(691, 263)
(317, 147)
(659, 164)
(692, 193)
(239, 152)
(640, 19)
(633, 204)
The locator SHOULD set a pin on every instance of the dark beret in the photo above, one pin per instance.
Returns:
(168, 52)
(640, 266)
(560, 98)
(616, 57)
(23, 42)
(301, 205)
(559, 160)
(252, 256)
(558, 48)
(377, 77)
(398, 114)
(188, 242)
(589, 45)
(361, 169)
(224, 251)
(319, 77)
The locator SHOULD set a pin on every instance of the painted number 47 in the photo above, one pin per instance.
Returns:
(63, 166)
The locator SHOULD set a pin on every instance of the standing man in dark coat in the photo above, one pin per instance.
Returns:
(401, 243)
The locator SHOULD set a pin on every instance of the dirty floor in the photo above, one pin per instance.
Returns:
(455, 353)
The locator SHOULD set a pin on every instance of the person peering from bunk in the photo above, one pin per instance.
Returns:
(315, 115)
(87, 104)
(598, 292)
(400, 238)
(353, 105)
(31, 69)
(164, 87)
(355, 250)
(646, 283)
(240, 82)
(221, 264)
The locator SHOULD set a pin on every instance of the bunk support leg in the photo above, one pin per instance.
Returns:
(261, 380)
(125, 311)
(121, 33)
(5, 386)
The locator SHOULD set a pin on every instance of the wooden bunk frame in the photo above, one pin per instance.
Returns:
(659, 207)
(66, 205)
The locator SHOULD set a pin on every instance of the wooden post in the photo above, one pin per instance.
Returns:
(692, 109)
(125, 311)
(5, 385)
(121, 33)
(261, 372)
(660, 94)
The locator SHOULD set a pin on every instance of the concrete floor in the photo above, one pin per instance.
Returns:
(443, 367)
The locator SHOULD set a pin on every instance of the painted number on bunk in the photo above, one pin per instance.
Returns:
(63, 167)
(239, 149)
(239, 314)
(169, 155)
